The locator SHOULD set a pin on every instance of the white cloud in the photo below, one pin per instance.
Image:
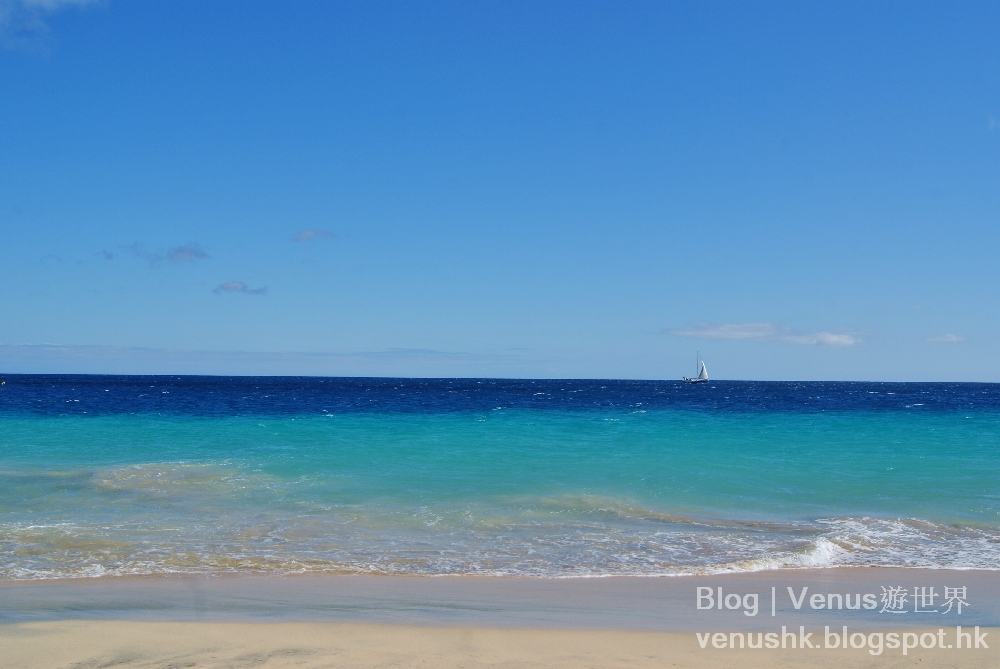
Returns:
(947, 338)
(22, 22)
(311, 234)
(822, 339)
(239, 287)
(766, 331)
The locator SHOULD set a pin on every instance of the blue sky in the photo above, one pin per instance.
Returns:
(579, 189)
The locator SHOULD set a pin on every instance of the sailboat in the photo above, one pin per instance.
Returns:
(702, 373)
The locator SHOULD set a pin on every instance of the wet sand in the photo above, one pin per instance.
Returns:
(378, 621)
(664, 604)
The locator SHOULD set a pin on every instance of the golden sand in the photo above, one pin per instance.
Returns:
(172, 645)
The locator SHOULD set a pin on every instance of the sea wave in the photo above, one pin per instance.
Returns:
(224, 518)
(536, 549)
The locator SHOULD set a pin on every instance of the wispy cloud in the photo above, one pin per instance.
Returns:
(58, 358)
(311, 234)
(186, 253)
(834, 339)
(23, 22)
(239, 287)
(764, 332)
(728, 331)
(947, 339)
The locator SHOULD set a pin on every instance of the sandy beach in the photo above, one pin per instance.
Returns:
(89, 644)
(354, 621)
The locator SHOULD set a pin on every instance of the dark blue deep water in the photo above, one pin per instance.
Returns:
(230, 396)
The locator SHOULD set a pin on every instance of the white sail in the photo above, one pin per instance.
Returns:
(702, 372)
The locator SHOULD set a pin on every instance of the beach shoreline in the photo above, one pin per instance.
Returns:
(459, 523)
(665, 604)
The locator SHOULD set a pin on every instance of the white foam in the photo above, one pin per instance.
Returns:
(578, 537)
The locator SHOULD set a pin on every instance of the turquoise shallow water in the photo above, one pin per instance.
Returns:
(639, 487)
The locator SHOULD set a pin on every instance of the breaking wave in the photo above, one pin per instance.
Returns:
(218, 519)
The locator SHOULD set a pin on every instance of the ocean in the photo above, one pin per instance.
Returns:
(125, 475)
